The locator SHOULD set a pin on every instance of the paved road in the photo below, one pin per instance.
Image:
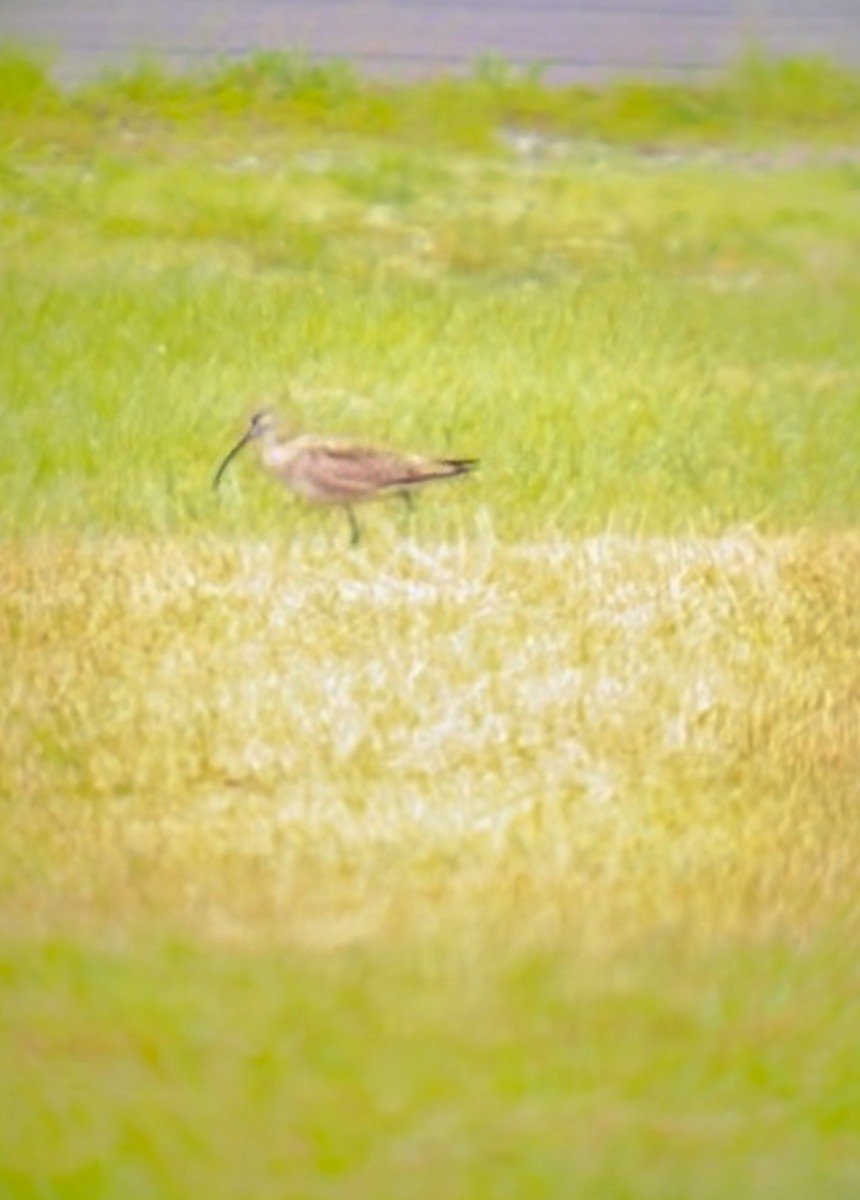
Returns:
(586, 40)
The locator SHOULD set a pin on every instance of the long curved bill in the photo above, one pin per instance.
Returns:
(225, 464)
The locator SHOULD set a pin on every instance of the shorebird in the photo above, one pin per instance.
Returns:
(337, 472)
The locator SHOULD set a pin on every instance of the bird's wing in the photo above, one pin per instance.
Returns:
(347, 470)
(344, 471)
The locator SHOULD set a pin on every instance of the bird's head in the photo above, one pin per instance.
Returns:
(262, 423)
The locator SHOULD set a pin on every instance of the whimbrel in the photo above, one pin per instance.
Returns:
(337, 472)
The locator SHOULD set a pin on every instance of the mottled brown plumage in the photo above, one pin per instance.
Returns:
(336, 472)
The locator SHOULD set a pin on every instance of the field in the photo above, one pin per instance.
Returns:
(515, 852)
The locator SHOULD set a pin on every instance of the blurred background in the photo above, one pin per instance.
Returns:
(587, 40)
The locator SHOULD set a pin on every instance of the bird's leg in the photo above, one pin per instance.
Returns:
(354, 530)
(406, 497)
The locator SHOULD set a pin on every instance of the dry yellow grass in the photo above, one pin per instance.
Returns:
(583, 742)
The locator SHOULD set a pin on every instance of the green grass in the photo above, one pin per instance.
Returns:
(385, 1075)
(515, 853)
(757, 99)
(671, 348)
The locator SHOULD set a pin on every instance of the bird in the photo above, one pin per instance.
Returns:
(337, 472)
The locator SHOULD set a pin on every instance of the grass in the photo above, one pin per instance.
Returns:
(515, 853)
(757, 99)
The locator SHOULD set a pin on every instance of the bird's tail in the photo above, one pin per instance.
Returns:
(428, 470)
(459, 466)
